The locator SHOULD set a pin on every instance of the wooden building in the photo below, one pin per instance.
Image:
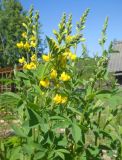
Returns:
(115, 62)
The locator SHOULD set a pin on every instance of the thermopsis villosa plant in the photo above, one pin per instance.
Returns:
(61, 115)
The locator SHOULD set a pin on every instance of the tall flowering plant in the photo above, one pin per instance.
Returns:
(60, 114)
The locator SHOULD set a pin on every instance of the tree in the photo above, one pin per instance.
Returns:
(12, 16)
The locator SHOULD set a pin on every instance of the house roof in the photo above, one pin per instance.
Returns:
(115, 62)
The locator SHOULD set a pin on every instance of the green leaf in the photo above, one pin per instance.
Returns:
(22, 132)
(39, 155)
(33, 120)
(41, 70)
(58, 118)
(16, 153)
(93, 151)
(21, 75)
(12, 95)
(63, 150)
(27, 83)
(63, 142)
(53, 47)
(104, 92)
(60, 154)
(76, 132)
(74, 110)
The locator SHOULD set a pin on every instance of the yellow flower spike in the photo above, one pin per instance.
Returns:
(57, 99)
(33, 44)
(24, 35)
(65, 77)
(22, 60)
(34, 58)
(20, 45)
(26, 45)
(53, 74)
(44, 83)
(46, 58)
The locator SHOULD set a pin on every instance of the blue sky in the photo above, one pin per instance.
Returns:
(51, 11)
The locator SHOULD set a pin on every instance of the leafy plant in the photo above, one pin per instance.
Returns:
(61, 115)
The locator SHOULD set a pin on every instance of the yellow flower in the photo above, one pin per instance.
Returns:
(65, 77)
(58, 99)
(53, 74)
(29, 66)
(33, 44)
(22, 60)
(73, 56)
(32, 65)
(44, 83)
(46, 58)
(24, 35)
(25, 66)
(33, 58)
(70, 55)
(26, 45)
(20, 45)
(33, 38)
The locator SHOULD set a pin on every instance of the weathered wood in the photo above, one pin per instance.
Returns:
(7, 73)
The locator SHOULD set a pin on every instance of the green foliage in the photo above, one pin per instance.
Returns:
(64, 116)
(12, 16)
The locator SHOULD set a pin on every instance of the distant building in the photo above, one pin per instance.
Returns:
(115, 62)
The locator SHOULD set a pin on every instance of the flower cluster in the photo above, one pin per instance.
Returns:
(58, 99)
(31, 43)
(54, 77)
(31, 65)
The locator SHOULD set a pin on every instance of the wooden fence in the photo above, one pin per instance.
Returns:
(6, 77)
